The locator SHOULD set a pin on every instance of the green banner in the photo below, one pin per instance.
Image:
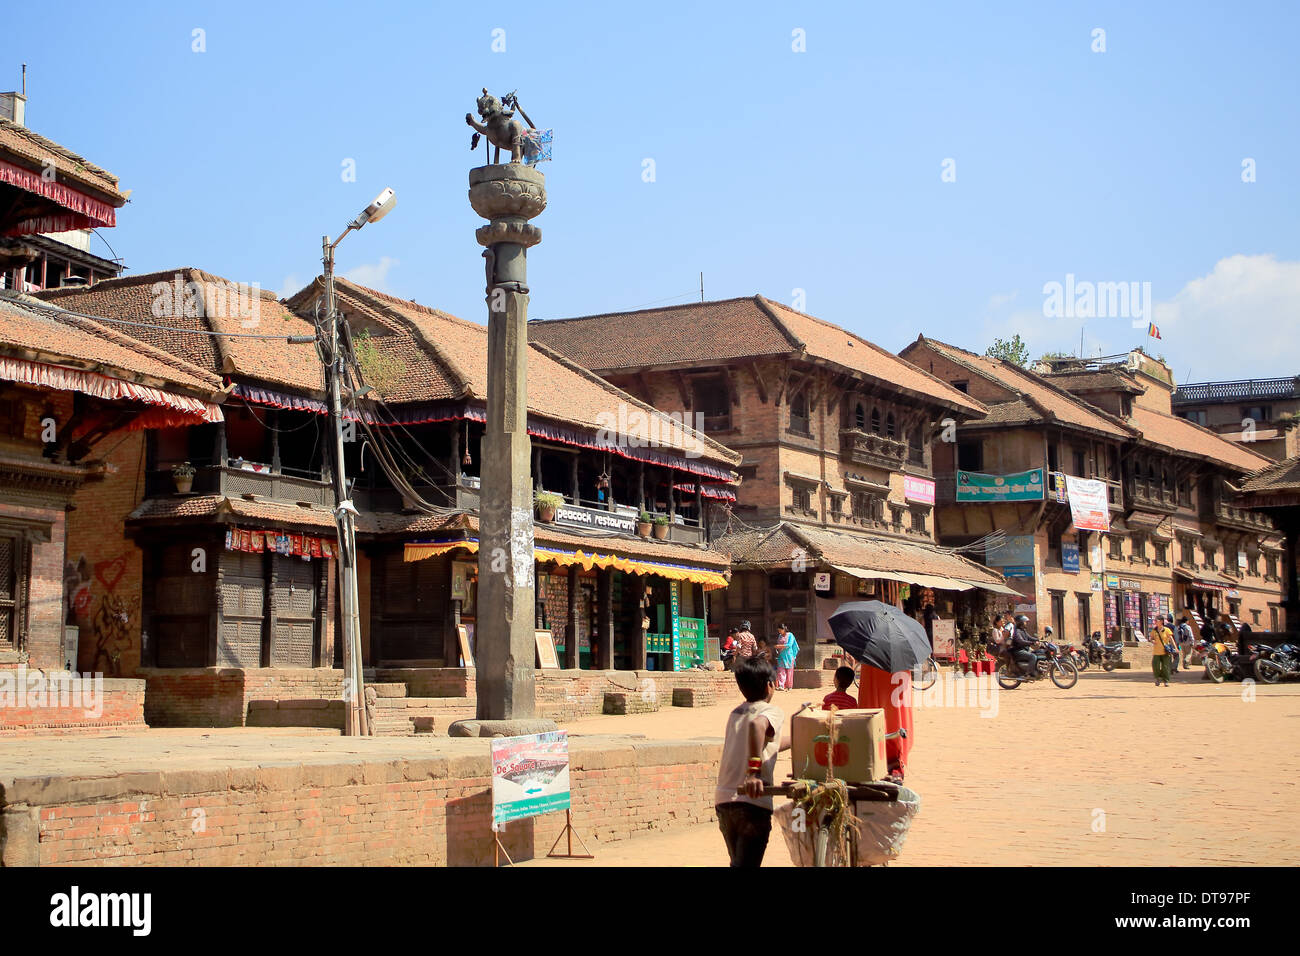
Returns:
(1020, 486)
(692, 643)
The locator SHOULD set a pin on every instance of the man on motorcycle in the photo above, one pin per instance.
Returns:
(1022, 647)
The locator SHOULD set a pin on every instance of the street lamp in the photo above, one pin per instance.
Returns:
(354, 711)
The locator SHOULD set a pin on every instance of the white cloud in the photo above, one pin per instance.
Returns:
(1239, 321)
(375, 275)
(999, 299)
(289, 286)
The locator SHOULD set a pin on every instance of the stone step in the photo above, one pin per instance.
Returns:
(426, 705)
(385, 690)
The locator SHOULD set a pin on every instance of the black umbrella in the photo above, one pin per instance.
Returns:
(880, 635)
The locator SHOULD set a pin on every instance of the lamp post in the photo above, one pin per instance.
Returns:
(354, 711)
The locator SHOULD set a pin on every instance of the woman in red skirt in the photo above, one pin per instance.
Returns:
(891, 693)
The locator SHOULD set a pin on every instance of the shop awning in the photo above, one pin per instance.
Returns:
(1205, 579)
(186, 410)
(711, 580)
(924, 580)
(79, 211)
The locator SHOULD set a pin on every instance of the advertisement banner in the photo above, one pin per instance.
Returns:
(943, 639)
(1014, 557)
(1020, 486)
(530, 775)
(918, 489)
(1089, 506)
(1070, 557)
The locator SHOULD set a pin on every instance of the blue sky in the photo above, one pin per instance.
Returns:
(774, 170)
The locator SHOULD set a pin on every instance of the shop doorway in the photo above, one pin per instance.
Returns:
(1085, 615)
(1058, 615)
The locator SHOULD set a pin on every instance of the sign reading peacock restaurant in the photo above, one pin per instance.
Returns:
(595, 518)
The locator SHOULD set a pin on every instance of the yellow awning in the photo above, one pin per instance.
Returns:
(711, 580)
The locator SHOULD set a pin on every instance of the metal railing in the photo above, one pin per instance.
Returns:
(1243, 389)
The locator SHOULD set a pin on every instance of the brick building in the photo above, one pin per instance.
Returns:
(75, 400)
(237, 602)
(50, 199)
(834, 432)
(1178, 538)
(1259, 413)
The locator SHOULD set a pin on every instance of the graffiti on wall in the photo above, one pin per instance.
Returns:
(93, 604)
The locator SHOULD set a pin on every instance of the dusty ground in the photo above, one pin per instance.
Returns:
(1115, 772)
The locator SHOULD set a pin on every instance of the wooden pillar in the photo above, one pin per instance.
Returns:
(571, 658)
(456, 466)
(640, 478)
(605, 617)
(636, 640)
(672, 495)
(273, 417)
(573, 478)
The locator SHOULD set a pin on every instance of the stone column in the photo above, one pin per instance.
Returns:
(507, 196)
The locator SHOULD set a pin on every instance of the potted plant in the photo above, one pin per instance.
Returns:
(643, 524)
(183, 476)
(547, 502)
(661, 527)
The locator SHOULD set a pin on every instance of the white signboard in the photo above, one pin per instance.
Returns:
(1089, 506)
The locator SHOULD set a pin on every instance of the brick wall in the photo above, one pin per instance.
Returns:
(116, 704)
(219, 697)
(566, 694)
(103, 566)
(428, 811)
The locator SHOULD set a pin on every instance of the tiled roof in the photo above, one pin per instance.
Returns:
(36, 149)
(731, 329)
(176, 327)
(1279, 476)
(442, 356)
(1188, 438)
(1050, 402)
(778, 546)
(30, 328)
(1090, 380)
(553, 536)
(163, 510)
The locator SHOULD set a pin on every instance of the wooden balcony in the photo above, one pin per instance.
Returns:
(233, 482)
(868, 448)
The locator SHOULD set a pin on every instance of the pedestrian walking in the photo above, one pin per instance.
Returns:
(787, 652)
(1163, 647)
(1186, 639)
(746, 644)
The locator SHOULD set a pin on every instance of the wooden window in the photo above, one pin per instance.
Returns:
(891, 430)
(802, 499)
(799, 421)
(860, 416)
(970, 456)
(13, 588)
(875, 421)
(918, 520)
(1116, 546)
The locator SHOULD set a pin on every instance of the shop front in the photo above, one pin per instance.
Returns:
(603, 605)
(1130, 606)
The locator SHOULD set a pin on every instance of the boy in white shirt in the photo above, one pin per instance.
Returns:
(748, 764)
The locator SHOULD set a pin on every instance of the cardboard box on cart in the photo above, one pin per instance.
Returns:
(858, 751)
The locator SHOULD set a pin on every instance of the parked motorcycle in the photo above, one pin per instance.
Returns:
(1215, 656)
(1275, 663)
(1077, 656)
(1107, 655)
(1051, 663)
